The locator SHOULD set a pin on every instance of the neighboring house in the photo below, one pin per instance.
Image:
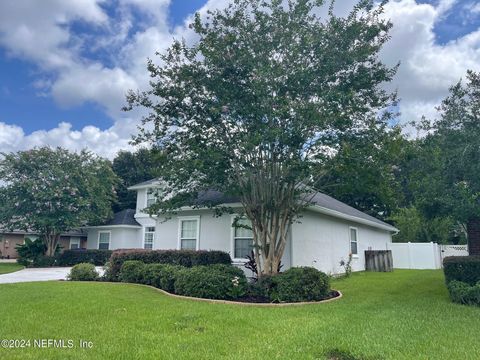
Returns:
(325, 234)
(10, 239)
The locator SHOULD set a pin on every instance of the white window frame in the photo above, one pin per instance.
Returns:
(109, 238)
(350, 240)
(232, 242)
(79, 242)
(179, 240)
(150, 190)
(149, 232)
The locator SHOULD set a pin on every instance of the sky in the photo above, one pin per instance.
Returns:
(65, 66)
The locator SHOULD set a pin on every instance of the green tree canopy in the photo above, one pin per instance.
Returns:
(51, 191)
(133, 168)
(366, 171)
(254, 108)
(454, 142)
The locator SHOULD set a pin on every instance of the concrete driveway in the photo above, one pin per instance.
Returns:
(39, 274)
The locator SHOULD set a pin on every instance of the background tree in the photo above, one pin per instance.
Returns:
(415, 226)
(132, 168)
(365, 173)
(255, 108)
(454, 141)
(51, 191)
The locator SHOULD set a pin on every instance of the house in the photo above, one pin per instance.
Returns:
(10, 239)
(326, 233)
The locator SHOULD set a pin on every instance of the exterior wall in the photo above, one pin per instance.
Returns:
(120, 238)
(215, 233)
(10, 241)
(141, 200)
(322, 241)
(8, 244)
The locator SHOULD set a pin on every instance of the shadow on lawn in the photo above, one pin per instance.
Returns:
(337, 354)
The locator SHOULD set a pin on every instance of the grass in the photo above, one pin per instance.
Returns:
(402, 315)
(6, 268)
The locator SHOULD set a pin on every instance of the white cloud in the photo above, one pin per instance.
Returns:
(427, 69)
(103, 142)
(40, 32)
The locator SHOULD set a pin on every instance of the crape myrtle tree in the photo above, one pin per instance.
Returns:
(51, 191)
(454, 151)
(257, 104)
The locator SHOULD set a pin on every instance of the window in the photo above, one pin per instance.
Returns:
(242, 239)
(74, 243)
(151, 197)
(353, 241)
(149, 237)
(104, 240)
(188, 234)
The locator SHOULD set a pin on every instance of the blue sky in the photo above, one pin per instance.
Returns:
(65, 65)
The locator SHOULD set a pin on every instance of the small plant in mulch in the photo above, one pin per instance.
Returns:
(347, 265)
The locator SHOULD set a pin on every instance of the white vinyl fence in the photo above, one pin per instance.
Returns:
(423, 255)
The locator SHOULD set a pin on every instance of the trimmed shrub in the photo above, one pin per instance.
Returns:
(161, 276)
(300, 284)
(211, 282)
(83, 272)
(463, 293)
(44, 261)
(462, 268)
(73, 257)
(262, 289)
(132, 271)
(187, 258)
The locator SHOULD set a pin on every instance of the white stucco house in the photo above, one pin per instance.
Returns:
(326, 233)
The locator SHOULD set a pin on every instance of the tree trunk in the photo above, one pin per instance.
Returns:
(473, 235)
(270, 237)
(51, 241)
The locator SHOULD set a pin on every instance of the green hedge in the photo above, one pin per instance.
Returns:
(132, 271)
(297, 284)
(211, 282)
(228, 282)
(217, 281)
(73, 257)
(161, 276)
(301, 284)
(186, 258)
(462, 268)
(464, 293)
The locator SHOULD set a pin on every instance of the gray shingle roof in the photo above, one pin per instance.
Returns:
(328, 202)
(124, 217)
(319, 199)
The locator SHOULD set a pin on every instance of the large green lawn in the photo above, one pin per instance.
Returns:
(400, 315)
(9, 267)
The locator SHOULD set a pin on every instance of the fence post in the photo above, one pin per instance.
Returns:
(410, 265)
